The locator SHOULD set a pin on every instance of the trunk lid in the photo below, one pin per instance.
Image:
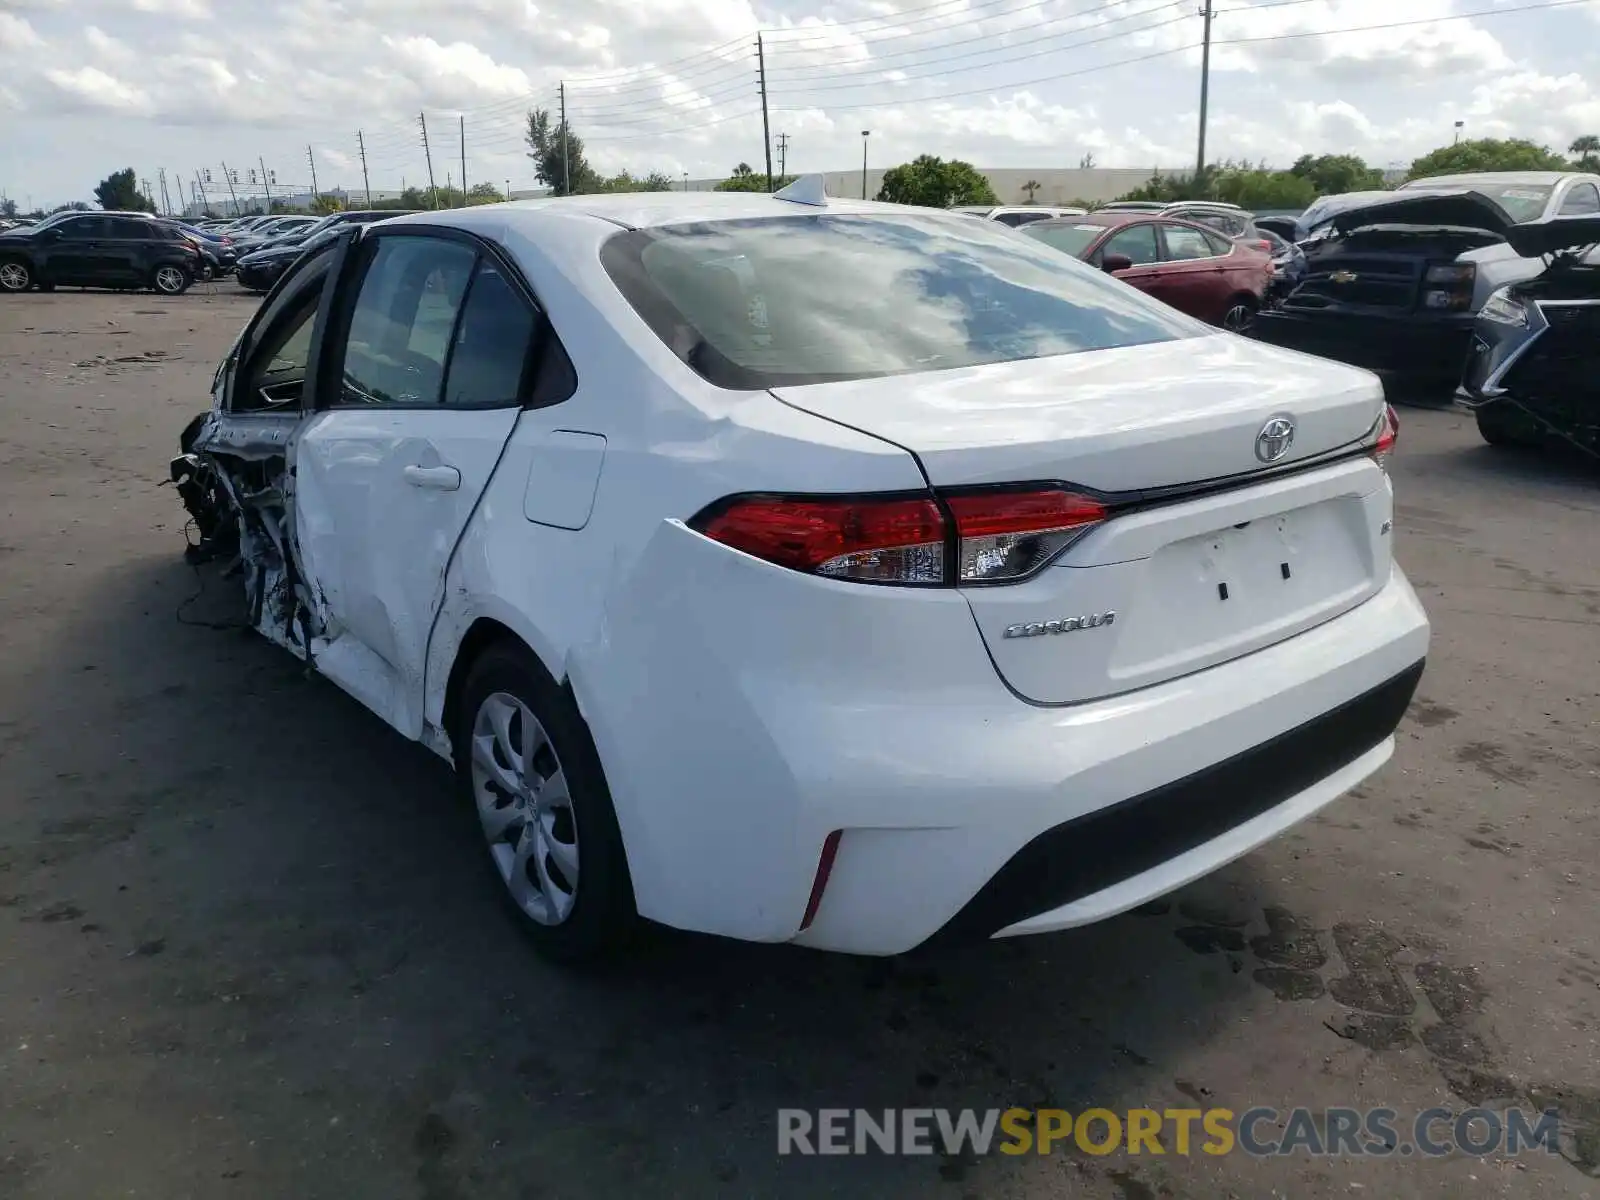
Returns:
(1176, 579)
(1129, 419)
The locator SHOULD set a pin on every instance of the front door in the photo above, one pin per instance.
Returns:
(1139, 244)
(427, 358)
(75, 251)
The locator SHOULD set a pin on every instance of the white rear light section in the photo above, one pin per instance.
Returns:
(1006, 536)
(998, 536)
(1384, 436)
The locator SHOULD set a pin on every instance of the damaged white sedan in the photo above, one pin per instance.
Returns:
(810, 570)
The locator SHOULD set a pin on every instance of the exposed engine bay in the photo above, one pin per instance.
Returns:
(240, 501)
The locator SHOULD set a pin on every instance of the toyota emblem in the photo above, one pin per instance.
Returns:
(1275, 438)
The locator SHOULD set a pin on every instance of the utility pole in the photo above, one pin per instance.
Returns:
(166, 200)
(566, 164)
(266, 182)
(463, 121)
(865, 134)
(227, 175)
(433, 191)
(766, 129)
(200, 195)
(1206, 13)
(783, 155)
(145, 191)
(366, 183)
(312, 159)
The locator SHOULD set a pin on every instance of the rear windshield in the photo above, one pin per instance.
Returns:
(812, 299)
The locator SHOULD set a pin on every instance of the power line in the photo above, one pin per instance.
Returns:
(807, 87)
(1169, 52)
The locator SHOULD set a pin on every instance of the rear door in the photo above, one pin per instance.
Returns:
(427, 355)
(128, 250)
(1196, 267)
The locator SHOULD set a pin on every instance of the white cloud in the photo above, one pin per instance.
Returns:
(17, 34)
(93, 87)
(191, 9)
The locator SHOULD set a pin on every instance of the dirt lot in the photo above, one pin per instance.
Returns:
(245, 950)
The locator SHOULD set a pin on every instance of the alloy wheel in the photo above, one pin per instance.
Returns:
(169, 280)
(525, 808)
(13, 277)
(1238, 318)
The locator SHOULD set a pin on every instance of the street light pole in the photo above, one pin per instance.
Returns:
(1457, 141)
(865, 133)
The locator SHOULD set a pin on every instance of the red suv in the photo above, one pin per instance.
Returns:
(1195, 269)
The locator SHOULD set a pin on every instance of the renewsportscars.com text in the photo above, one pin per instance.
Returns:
(1258, 1132)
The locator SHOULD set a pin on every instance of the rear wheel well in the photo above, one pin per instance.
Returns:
(480, 635)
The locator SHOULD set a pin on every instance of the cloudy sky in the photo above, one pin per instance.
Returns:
(88, 86)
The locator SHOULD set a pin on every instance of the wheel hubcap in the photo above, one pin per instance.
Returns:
(13, 276)
(1238, 318)
(169, 279)
(525, 808)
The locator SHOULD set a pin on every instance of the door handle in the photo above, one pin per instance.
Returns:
(440, 479)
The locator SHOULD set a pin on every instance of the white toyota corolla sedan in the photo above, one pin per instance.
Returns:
(803, 569)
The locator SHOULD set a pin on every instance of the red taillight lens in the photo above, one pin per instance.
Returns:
(1010, 535)
(877, 540)
(1001, 536)
(1387, 432)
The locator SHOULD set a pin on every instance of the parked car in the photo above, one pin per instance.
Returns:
(98, 249)
(1148, 206)
(1016, 214)
(984, 595)
(1396, 285)
(1195, 269)
(260, 269)
(1322, 210)
(273, 230)
(218, 249)
(1533, 373)
(1228, 219)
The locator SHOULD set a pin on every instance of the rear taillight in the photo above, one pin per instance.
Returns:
(1010, 535)
(997, 536)
(892, 539)
(1384, 435)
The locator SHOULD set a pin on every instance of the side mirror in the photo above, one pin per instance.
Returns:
(1115, 262)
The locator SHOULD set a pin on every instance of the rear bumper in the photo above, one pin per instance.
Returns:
(259, 277)
(804, 707)
(1399, 347)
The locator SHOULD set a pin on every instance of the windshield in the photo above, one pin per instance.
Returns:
(1070, 239)
(762, 303)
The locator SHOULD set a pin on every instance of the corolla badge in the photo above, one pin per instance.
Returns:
(1275, 438)
(1344, 276)
(1061, 625)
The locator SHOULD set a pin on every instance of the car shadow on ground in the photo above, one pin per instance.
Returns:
(275, 902)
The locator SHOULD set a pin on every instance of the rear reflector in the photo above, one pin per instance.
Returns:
(999, 536)
(830, 847)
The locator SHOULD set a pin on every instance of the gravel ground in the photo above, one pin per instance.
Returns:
(245, 949)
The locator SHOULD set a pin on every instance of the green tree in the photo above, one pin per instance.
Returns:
(326, 203)
(1032, 186)
(625, 181)
(484, 193)
(1335, 174)
(1487, 154)
(1246, 184)
(557, 155)
(1587, 149)
(934, 183)
(746, 179)
(8, 207)
(119, 192)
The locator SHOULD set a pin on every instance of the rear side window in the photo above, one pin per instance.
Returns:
(809, 299)
(1184, 243)
(1582, 200)
(1137, 242)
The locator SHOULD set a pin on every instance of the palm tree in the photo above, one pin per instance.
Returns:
(1032, 186)
(1587, 148)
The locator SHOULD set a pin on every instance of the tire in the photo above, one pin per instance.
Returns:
(505, 690)
(207, 273)
(15, 275)
(1499, 426)
(169, 280)
(1241, 311)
